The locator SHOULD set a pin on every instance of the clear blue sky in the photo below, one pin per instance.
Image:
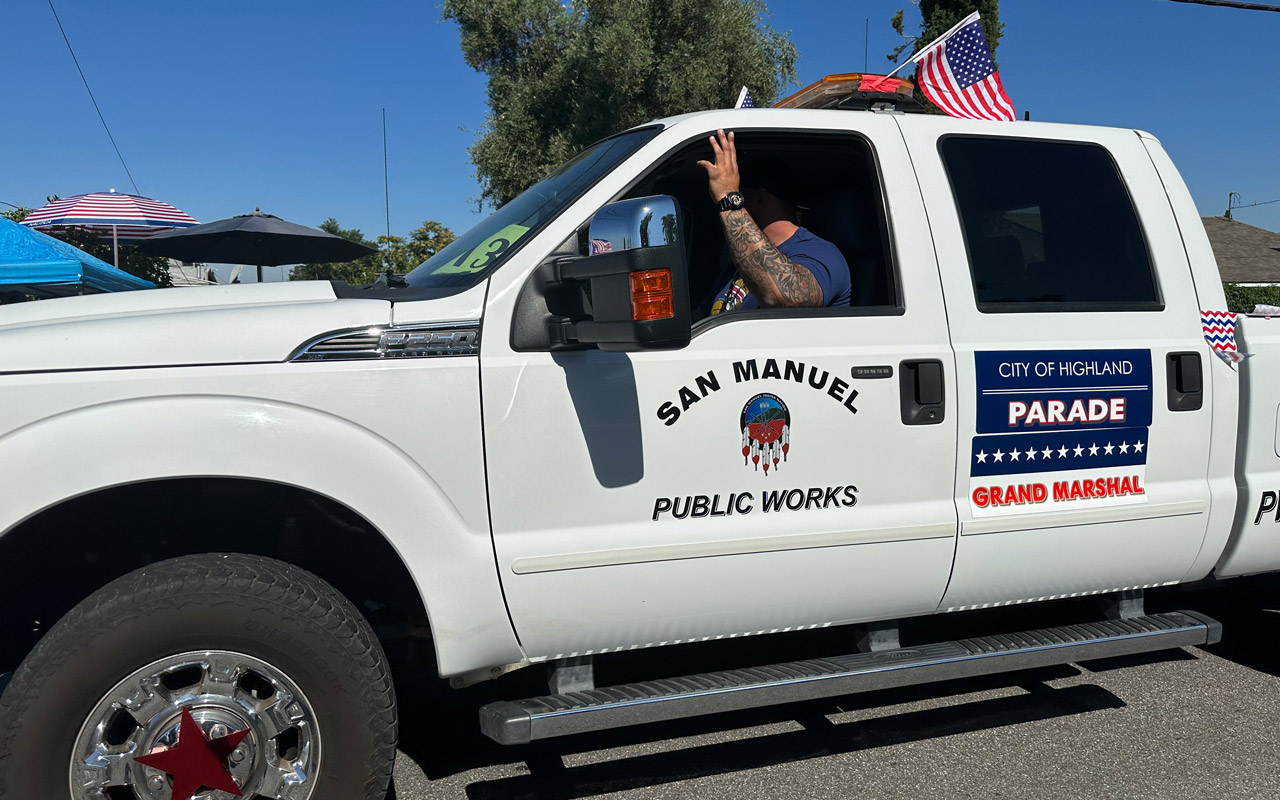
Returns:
(222, 106)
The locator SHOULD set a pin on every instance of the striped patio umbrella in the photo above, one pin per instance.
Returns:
(121, 216)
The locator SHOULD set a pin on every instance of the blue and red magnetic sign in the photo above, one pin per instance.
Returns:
(1056, 410)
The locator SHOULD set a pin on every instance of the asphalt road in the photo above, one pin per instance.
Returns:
(1187, 723)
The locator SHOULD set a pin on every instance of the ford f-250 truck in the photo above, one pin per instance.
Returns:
(530, 452)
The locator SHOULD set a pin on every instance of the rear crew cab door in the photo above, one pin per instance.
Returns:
(760, 479)
(1082, 461)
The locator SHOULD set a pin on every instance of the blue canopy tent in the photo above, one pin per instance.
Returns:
(35, 263)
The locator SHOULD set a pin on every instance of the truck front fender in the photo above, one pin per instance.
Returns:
(98, 447)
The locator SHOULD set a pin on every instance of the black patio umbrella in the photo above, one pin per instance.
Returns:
(259, 239)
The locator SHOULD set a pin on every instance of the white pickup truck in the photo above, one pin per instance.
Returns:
(534, 451)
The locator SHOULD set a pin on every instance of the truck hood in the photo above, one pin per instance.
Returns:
(249, 323)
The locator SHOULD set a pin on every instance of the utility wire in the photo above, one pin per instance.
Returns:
(1251, 205)
(91, 97)
(1233, 4)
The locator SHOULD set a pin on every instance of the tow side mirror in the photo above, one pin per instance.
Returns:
(634, 287)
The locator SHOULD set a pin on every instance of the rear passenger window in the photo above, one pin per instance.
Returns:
(1049, 226)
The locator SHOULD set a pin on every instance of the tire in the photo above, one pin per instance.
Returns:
(292, 645)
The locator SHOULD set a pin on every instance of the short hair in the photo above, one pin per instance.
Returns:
(772, 173)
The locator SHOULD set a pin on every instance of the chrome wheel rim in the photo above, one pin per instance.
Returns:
(225, 693)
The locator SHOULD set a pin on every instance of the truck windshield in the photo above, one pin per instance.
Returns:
(478, 251)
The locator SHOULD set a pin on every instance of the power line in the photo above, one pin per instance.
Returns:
(91, 97)
(1233, 4)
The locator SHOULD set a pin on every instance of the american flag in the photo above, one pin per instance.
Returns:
(601, 246)
(957, 74)
(744, 99)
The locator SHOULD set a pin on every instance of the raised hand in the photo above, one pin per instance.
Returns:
(722, 176)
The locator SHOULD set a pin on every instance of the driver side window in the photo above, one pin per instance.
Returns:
(832, 183)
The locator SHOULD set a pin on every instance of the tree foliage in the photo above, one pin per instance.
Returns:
(1242, 299)
(936, 18)
(132, 260)
(562, 75)
(395, 253)
(939, 16)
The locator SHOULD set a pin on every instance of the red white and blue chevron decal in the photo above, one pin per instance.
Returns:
(1220, 332)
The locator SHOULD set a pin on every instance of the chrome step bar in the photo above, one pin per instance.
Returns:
(522, 721)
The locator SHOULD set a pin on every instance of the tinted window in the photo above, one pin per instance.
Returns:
(1048, 226)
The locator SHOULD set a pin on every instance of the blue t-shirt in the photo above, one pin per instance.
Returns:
(820, 257)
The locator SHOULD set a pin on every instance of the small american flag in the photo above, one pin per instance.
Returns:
(1220, 332)
(601, 246)
(958, 75)
(744, 99)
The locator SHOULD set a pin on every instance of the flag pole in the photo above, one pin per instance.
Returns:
(927, 47)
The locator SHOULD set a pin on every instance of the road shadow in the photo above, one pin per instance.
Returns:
(549, 778)
(1249, 610)
(451, 743)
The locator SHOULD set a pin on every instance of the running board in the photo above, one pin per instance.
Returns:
(522, 721)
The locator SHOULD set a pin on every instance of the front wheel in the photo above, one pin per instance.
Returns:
(209, 676)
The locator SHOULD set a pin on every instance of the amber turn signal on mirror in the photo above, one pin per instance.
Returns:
(651, 295)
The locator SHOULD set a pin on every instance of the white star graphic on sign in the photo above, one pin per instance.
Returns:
(999, 455)
(1062, 453)
(1013, 454)
(1108, 448)
(1093, 450)
(1031, 454)
(982, 457)
(1047, 452)
(1078, 451)
(1137, 448)
(1124, 447)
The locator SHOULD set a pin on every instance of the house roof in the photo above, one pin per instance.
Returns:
(1245, 254)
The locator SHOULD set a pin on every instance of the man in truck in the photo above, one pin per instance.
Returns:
(778, 263)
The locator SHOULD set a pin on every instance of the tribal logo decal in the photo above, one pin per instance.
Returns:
(766, 431)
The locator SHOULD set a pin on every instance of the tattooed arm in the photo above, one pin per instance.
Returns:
(775, 280)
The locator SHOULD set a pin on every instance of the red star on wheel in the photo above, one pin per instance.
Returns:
(195, 761)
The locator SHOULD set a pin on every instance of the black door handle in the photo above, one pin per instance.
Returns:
(920, 387)
(1185, 381)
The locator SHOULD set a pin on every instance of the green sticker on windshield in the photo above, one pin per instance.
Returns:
(485, 254)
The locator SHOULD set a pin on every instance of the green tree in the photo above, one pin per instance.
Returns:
(362, 270)
(936, 18)
(563, 75)
(132, 260)
(427, 240)
(395, 253)
(147, 267)
(939, 16)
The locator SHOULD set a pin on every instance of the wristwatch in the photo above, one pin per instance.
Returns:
(732, 202)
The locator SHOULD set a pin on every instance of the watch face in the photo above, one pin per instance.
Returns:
(732, 201)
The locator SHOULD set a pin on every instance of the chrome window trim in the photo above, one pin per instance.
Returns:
(436, 340)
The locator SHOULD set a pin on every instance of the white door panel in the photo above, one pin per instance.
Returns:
(860, 522)
(1070, 529)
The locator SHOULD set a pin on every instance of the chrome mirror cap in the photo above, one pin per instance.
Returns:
(636, 223)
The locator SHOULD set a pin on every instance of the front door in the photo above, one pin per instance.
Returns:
(1079, 469)
(761, 479)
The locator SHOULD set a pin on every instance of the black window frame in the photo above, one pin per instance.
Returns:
(888, 241)
(1051, 306)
